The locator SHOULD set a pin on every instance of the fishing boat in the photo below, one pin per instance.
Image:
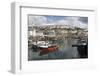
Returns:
(45, 47)
(82, 48)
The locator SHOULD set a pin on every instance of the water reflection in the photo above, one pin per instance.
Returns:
(65, 51)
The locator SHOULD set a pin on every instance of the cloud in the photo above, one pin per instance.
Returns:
(37, 20)
(72, 21)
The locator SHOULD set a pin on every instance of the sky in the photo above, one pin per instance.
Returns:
(58, 20)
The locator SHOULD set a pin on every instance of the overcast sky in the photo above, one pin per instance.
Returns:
(63, 20)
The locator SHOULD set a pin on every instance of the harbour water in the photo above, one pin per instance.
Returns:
(65, 51)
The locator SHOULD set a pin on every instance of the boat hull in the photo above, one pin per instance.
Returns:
(48, 50)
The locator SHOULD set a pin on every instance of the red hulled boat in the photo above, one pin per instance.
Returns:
(48, 49)
(45, 47)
